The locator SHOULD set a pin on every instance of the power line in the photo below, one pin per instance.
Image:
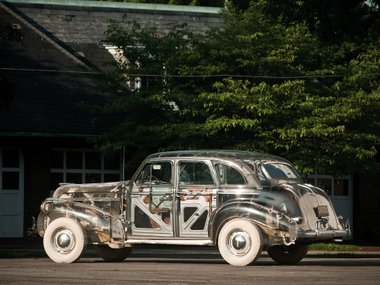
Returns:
(221, 75)
(237, 76)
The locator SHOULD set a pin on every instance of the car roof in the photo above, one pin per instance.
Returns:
(218, 153)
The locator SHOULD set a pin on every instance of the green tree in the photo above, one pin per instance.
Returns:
(331, 20)
(258, 84)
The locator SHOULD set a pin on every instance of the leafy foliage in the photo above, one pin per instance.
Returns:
(262, 83)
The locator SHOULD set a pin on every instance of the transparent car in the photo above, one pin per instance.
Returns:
(242, 202)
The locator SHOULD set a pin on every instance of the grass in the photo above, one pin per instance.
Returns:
(334, 247)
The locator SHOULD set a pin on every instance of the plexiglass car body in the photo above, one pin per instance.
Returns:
(243, 202)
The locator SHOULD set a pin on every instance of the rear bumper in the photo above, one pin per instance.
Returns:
(320, 233)
(343, 233)
(332, 235)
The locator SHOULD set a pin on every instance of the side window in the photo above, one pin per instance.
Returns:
(194, 173)
(229, 175)
(260, 175)
(155, 173)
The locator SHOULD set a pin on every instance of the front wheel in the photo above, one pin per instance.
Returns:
(288, 255)
(64, 240)
(240, 242)
(111, 254)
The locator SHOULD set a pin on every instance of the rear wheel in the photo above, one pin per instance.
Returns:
(112, 255)
(288, 255)
(240, 242)
(64, 240)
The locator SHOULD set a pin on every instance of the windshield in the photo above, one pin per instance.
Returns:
(277, 170)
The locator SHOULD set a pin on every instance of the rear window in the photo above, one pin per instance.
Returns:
(280, 171)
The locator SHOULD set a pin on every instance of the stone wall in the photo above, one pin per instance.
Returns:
(87, 21)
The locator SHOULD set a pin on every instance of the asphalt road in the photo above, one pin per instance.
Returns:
(188, 267)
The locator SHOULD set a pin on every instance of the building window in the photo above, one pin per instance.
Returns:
(83, 166)
(338, 187)
(9, 169)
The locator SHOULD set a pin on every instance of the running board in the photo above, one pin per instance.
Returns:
(170, 241)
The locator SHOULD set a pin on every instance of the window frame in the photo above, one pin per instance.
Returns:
(205, 162)
(150, 165)
(11, 169)
(215, 164)
(84, 171)
(334, 180)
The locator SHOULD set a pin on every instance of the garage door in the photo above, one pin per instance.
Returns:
(11, 193)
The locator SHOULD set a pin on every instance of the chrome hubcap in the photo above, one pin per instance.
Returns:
(63, 240)
(239, 242)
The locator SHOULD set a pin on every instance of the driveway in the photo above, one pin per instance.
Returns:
(173, 266)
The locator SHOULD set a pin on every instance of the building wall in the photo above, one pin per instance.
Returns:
(36, 160)
(87, 22)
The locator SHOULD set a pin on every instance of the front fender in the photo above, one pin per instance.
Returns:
(279, 228)
(100, 226)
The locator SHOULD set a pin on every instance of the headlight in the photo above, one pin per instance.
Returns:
(46, 207)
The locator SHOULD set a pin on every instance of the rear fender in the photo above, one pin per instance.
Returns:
(277, 227)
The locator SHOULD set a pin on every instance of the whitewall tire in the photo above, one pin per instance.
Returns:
(240, 242)
(64, 240)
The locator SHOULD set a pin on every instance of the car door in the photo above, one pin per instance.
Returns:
(152, 200)
(196, 200)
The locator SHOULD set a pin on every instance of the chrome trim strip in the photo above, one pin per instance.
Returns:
(170, 241)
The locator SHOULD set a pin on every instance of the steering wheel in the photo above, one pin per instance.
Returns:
(155, 180)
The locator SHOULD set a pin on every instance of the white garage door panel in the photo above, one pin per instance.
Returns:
(10, 205)
(11, 201)
(11, 226)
